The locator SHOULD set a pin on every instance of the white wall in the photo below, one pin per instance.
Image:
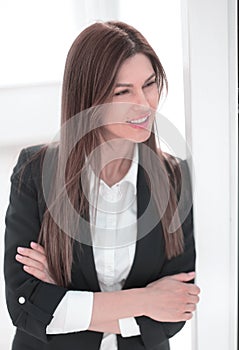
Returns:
(29, 113)
(210, 37)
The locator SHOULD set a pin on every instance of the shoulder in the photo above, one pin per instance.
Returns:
(36, 152)
(29, 162)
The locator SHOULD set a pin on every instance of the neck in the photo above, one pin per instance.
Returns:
(116, 157)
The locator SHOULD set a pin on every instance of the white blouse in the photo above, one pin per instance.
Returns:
(114, 240)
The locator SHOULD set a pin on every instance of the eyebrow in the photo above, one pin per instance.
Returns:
(130, 85)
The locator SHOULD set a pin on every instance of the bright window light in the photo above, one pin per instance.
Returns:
(35, 38)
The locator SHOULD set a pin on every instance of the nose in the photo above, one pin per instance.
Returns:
(141, 99)
(139, 104)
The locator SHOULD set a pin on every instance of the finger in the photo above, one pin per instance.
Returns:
(29, 262)
(33, 254)
(194, 299)
(184, 276)
(190, 307)
(187, 316)
(193, 289)
(37, 247)
(41, 275)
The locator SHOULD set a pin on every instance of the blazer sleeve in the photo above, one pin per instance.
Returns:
(155, 333)
(31, 302)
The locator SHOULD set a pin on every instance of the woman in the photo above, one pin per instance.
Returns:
(91, 260)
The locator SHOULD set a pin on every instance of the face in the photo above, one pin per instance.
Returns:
(135, 99)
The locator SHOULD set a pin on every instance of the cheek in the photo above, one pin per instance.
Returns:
(153, 98)
(117, 129)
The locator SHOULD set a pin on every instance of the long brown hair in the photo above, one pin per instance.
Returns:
(90, 72)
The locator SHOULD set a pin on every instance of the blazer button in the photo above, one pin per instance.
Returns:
(21, 300)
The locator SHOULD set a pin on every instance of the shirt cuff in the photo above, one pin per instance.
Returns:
(73, 313)
(129, 327)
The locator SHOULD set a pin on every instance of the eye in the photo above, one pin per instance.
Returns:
(122, 92)
(150, 83)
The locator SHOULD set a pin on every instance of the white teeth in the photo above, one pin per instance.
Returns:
(139, 121)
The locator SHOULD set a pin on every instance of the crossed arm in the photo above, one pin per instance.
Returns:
(169, 299)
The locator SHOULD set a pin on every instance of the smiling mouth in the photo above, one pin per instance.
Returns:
(139, 121)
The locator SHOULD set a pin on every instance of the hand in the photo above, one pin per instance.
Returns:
(171, 299)
(35, 262)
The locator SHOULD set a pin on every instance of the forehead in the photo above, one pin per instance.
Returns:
(137, 66)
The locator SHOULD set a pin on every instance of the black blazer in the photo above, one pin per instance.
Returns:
(31, 302)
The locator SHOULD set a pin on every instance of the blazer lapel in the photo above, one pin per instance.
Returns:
(84, 275)
(149, 254)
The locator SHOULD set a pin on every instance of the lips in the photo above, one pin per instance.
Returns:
(139, 121)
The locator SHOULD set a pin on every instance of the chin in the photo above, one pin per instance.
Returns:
(140, 138)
